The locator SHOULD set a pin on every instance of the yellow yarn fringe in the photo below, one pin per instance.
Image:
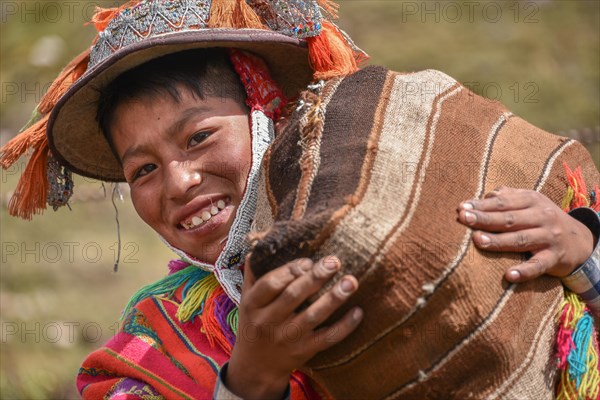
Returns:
(196, 296)
(589, 387)
(566, 201)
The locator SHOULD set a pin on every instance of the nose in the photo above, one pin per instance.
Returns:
(181, 178)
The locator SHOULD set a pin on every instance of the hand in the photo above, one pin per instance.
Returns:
(273, 339)
(518, 220)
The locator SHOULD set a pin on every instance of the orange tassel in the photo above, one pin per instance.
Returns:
(64, 81)
(103, 16)
(575, 179)
(33, 136)
(32, 190)
(330, 55)
(330, 7)
(233, 14)
(211, 325)
(222, 14)
(245, 17)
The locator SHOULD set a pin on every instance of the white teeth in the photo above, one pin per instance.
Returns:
(204, 216)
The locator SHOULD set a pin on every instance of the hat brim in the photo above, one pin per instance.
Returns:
(74, 135)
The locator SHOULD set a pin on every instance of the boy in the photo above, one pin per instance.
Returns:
(160, 347)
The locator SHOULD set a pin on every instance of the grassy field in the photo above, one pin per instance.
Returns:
(59, 296)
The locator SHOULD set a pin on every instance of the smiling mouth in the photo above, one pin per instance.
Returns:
(204, 215)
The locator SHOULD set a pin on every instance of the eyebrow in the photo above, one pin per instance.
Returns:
(170, 132)
(185, 117)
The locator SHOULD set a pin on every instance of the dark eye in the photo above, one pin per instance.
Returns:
(198, 138)
(145, 170)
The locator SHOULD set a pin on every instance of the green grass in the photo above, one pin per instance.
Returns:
(552, 58)
(60, 298)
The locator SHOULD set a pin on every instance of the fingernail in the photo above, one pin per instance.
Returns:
(470, 217)
(484, 240)
(306, 265)
(357, 314)
(331, 263)
(514, 274)
(347, 286)
(467, 206)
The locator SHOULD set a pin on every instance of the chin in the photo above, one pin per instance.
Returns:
(213, 250)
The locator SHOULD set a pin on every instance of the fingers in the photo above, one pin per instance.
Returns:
(328, 336)
(533, 268)
(324, 306)
(305, 286)
(521, 241)
(507, 221)
(503, 199)
(289, 285)
(269, 286)
(274, 300)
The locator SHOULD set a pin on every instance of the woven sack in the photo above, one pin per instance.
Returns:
(371, 168)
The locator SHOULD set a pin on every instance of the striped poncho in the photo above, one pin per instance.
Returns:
(371, 168)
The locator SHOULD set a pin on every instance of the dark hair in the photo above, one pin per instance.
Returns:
(204, 72)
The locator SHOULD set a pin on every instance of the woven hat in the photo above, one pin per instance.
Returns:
(296, 39)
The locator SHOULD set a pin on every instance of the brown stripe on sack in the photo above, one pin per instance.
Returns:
(552, 182)
(282, 167)
(287, 240)
(404, 140)
(541, 371)
(266, 163)
(388, 322)
(375, 324)
(525, 143)
(367, 165)
(548, 168)
(537, 145)
(504, 333)
(557, 181)
(311, 137)
(350, 120)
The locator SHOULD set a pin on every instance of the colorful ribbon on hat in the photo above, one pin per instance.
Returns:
(261, 90)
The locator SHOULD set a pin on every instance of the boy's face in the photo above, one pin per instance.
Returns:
(186, 164)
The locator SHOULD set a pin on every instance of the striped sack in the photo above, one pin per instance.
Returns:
(371, 168)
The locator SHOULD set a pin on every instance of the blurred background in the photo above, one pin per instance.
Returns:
(59, 296)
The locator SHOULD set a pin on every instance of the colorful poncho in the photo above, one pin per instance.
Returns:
(175, 336)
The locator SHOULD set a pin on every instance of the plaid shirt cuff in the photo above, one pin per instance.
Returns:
(585, 280)
(222, 393)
